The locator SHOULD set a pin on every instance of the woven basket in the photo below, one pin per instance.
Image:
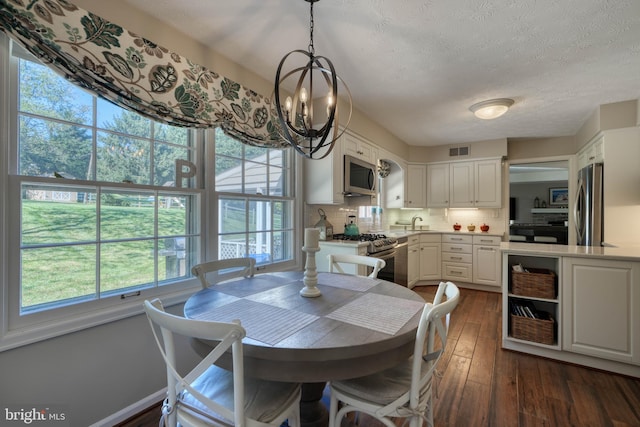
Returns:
(536, 283)
(536, 330)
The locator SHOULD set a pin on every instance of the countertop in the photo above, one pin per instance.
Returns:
(398, 233)
(477, 232)
(627, 253)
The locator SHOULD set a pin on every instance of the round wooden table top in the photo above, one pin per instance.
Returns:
(358, 325)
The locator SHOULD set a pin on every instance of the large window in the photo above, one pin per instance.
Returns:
(255, 201)
(102, 209)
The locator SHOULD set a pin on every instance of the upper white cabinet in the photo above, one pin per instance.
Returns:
(394, 185)
(405, 186)
(461, 185)
(324, 179)
(475, 183)
(488, 183)
(593, 152)
(438, 185)
(416, 195)
(357, 147)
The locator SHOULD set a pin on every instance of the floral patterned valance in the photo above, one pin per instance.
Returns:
(136, 73)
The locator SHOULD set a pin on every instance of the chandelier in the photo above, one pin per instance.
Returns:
(311, 137)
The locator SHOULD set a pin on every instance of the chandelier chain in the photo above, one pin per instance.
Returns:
(312, 50)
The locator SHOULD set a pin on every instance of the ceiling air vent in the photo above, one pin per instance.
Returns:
(459, 151)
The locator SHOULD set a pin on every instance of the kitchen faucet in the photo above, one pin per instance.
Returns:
(413, 222)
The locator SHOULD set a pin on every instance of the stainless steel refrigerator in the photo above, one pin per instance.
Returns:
(589, 208)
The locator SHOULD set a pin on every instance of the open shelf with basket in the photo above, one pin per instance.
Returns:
(532, 306)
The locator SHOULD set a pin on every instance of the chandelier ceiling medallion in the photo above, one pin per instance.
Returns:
(298, 124)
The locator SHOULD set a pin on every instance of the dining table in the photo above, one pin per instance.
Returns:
(355, 327)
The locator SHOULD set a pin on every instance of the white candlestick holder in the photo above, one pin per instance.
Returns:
(310, 279)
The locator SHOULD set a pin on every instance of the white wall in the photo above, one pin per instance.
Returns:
(622, 186)
(92, 373)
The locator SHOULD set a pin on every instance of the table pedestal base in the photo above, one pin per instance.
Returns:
(313, 412)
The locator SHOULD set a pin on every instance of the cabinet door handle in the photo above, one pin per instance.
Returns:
(456, 238)
(487, 249)
(453, 248)
(456, 257)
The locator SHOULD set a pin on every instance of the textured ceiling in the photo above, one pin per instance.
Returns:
(415, 67)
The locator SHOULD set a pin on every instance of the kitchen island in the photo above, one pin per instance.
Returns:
(576, 304)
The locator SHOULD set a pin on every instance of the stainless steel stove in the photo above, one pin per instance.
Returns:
(377, 242)
(386, 248)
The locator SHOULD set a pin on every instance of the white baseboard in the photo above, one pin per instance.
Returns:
(132, 409)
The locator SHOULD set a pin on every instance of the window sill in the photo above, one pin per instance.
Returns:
(22, 336)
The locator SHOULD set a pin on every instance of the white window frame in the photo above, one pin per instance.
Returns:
(17, 330)
(294, 182)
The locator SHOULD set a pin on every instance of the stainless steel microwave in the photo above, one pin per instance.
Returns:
(359, 177)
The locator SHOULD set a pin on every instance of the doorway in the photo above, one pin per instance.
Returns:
(539, 208)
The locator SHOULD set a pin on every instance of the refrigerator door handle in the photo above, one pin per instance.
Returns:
(579, 212)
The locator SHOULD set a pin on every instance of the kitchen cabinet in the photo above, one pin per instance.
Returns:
(394, 186)
(512, 297)
(457, 257)
(324, 179)
(601, 306)
(413, 260)
(486, 260)
(356, 146)
(488, 183)
(430, 257)
(475, 183)
(416, 196)
(461, 185)
(438, 185)
(592, 152)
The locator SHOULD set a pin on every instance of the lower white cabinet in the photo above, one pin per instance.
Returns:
(601, 308)
(486, 260)
(457, 257)
(413, 260)
(430, 257)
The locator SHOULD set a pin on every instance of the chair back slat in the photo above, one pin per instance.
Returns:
(223, 269)
(335, 261)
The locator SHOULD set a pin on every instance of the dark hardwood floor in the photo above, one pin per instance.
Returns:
(483, 385)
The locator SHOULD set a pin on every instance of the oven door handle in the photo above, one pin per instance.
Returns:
(388, 254)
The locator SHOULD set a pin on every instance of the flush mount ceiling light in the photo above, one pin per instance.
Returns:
(492, 108)
(296, 117)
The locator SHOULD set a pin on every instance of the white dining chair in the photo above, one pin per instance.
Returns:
(209, 395)
(223, 269)
(336, 261)
(404, 391)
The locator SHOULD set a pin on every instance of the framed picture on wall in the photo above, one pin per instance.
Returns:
(558, 196)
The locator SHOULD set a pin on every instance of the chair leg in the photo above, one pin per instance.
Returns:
(333, 410)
